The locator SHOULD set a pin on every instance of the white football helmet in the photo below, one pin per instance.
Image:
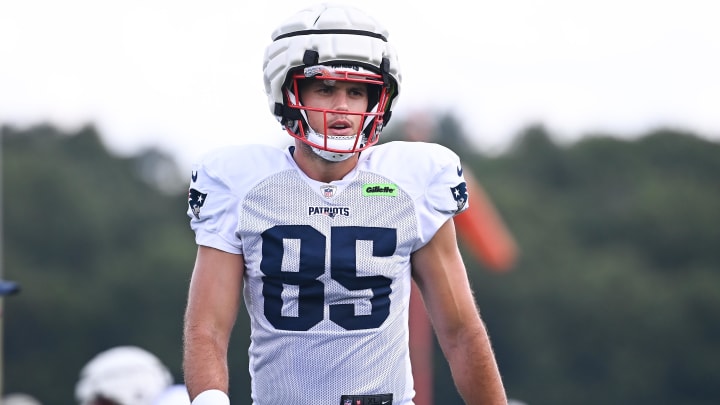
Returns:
(332, 43)
(19, 399)
(127, 375)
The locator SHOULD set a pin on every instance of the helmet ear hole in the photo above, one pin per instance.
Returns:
(373, 96)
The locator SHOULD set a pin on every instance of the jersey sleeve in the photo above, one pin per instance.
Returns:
(212, 207)
(446, 192)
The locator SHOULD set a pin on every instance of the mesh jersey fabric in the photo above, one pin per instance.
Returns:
(327, 279)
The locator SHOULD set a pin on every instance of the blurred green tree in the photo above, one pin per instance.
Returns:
(614, 299)
(102, 256)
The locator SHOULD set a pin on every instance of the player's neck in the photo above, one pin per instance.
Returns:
(320, 169)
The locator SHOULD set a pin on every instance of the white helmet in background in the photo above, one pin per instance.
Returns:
(19, 399)
(127, 375)
(332, 43)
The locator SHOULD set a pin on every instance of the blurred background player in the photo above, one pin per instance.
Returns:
(127, 375)
(17, 398)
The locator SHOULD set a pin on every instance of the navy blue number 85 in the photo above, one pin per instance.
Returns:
(311, 291)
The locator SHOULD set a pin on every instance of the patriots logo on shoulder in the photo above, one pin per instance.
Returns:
(196, 200)
(460, 195)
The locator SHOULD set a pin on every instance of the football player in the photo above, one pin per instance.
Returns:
(323, 239)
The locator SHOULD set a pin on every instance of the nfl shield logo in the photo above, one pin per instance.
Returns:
(328, 190)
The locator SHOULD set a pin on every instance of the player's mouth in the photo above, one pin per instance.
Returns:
(341, 127)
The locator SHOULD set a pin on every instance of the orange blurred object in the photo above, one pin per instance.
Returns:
(482, 230)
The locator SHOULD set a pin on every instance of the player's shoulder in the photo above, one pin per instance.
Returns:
(239, 165)
(231, 156)
(408, 147)
(424, 157)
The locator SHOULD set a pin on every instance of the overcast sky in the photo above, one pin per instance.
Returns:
(186, 76)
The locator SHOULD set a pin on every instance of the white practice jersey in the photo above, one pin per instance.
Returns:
(327, 279)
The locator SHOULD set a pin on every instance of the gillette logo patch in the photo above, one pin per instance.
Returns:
(380, 189)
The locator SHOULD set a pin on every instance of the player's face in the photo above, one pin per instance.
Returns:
(338, 96)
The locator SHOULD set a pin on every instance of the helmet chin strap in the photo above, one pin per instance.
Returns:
(334, 142)
(338, 142)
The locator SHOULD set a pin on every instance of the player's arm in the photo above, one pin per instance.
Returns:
(212, 308)
(439, 272)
